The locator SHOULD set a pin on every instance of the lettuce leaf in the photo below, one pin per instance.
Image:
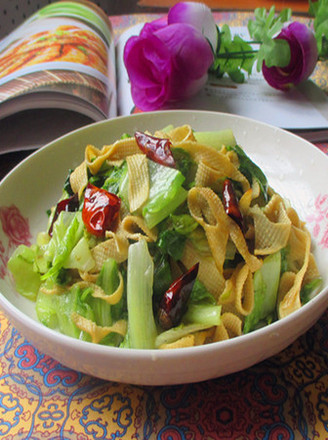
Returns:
(67, 231)
(141, 323)
(165, 194)
(26, 277)
(266, 283)
(251, 170)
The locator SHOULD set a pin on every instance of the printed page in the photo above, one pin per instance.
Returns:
(65, 53)
(304, 107)
(257, 100)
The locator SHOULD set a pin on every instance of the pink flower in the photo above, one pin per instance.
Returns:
(15, 226)
(167, 62)
(304, 56)
(199, 16)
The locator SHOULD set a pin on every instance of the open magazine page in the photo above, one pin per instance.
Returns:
(304, 108)
(61, 57)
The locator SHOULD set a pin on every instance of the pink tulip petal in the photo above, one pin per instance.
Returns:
(166, 63)
(198, 15)
(153, 26)
(149, 67)
(190, 51)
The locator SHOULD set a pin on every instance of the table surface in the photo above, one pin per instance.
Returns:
(284, 397)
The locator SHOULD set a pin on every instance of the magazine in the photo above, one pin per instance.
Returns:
(63, 68)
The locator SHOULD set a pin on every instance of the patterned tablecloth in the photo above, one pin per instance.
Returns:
(284, 397)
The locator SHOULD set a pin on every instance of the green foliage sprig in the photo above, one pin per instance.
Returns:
(236, 56)
(319, 10)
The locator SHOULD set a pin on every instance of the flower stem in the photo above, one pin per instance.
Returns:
(236, 55)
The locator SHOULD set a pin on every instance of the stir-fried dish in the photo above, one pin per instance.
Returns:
(167, 240)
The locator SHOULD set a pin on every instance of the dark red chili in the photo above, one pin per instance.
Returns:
(156, 149)
(70, 204)
(231, 203)
(100, 210)
(174, 302)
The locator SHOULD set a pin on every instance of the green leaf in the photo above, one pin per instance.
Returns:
(200, 295)
(162, 276)
(225, 34)
(266, 283)
(319, 10)
(165, 193)
(67, 231)
(21, 265)
(69, 302)
(309, 290)
(251, 170)
(46, 309)
(108, 279)
(80, 257)
(267, 24)
(263, 29)
(183, 224)
(203, 314)
(277, 53)
(321, 36)
(114, 178)
(233, 56)
(216, 138)
(199, 241)
(313, 8)
(285, 15)
(186, 165)
(172, 243)
(237, 76)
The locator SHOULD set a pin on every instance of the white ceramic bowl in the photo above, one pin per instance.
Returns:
(295, 168)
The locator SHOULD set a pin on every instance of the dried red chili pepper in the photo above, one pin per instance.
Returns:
(100, 210)
(174, 302)
(70, 204)
(231, 204)
(156, 149)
